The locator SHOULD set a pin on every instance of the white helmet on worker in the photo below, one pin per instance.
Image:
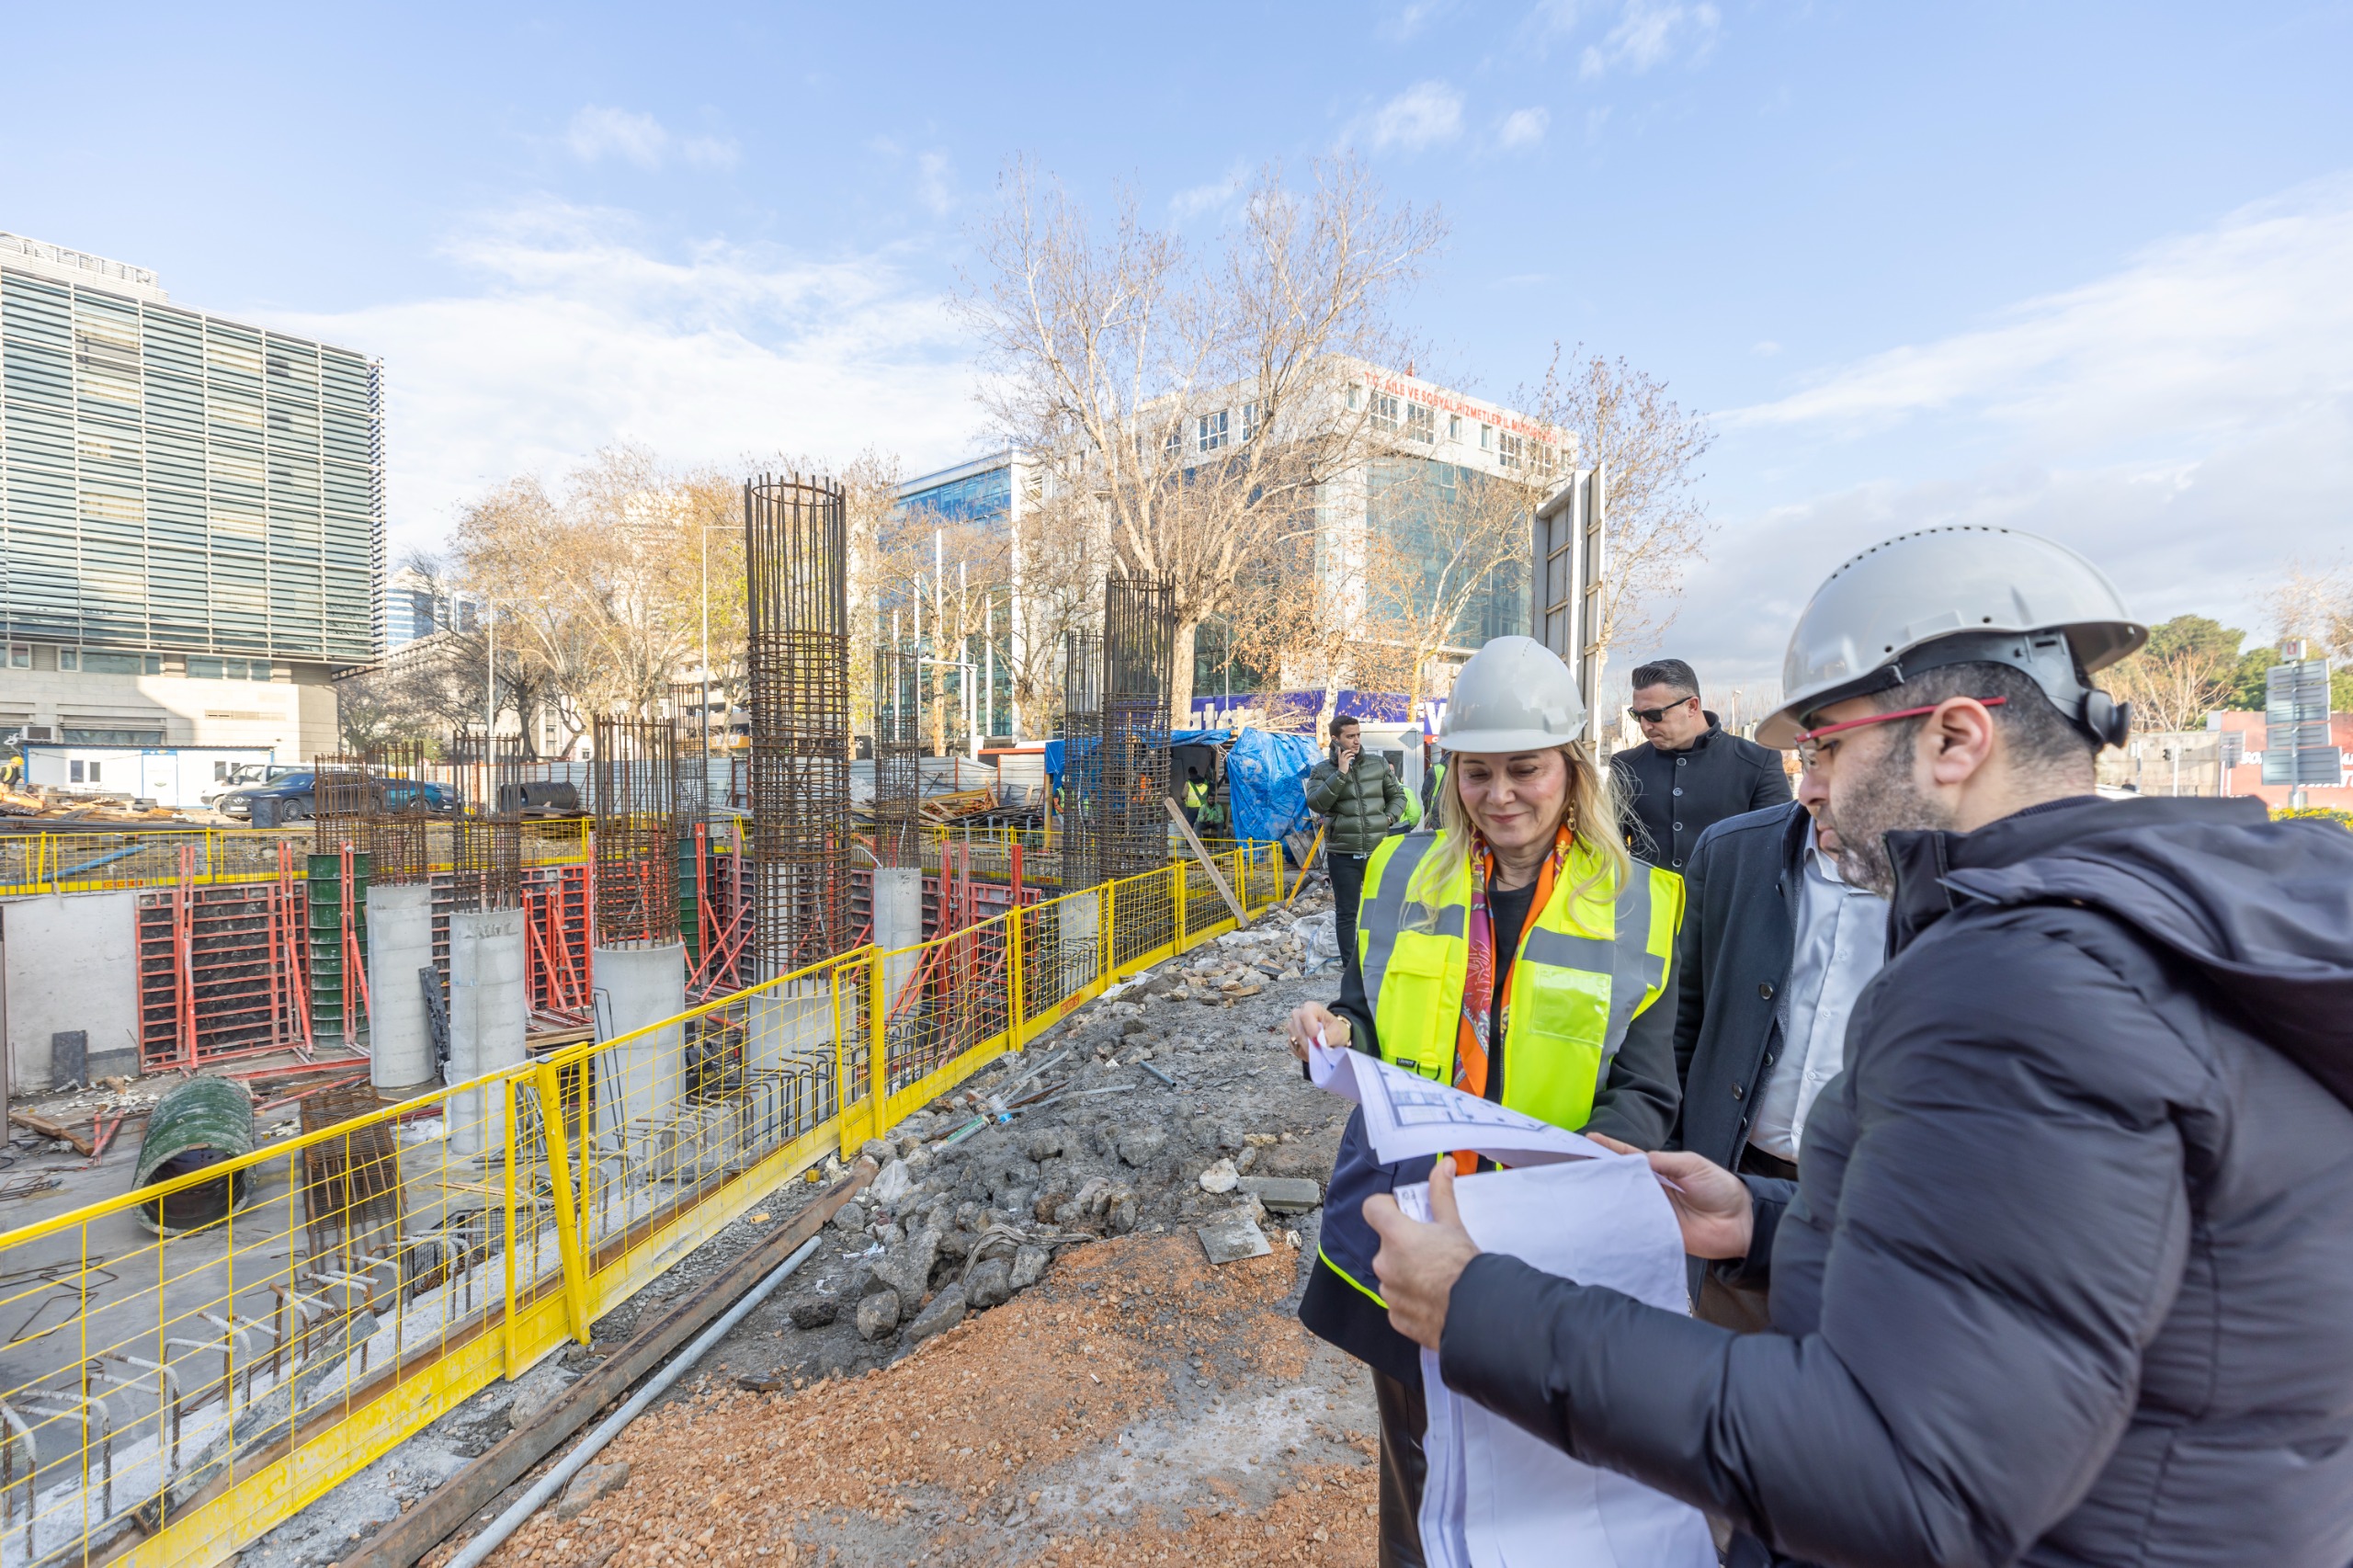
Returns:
(1513, 695)
(1951, 596)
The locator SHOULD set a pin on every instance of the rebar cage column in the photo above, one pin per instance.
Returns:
(635, 798)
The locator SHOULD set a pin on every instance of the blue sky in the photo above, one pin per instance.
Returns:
(2082, 268)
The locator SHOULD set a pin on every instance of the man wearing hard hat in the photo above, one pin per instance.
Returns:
(2065, 1277)
(1517, 953)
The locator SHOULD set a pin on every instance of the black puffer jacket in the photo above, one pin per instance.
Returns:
(2068, 1276)
(1364, 802)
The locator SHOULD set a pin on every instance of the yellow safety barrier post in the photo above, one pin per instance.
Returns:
(567, 1233)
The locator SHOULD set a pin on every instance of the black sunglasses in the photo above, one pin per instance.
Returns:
(1658, 715)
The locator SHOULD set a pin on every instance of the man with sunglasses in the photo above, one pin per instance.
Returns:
(2063, 1275)
(1689, 774)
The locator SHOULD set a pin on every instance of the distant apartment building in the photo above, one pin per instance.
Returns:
(191, 515)
(1433, 442)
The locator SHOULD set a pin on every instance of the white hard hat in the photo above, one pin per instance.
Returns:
(1963, 594)
(1514, 694)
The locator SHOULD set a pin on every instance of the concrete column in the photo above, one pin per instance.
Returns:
(1082, 932)
(400, 942)
(898, 923)
(640, 1082)
(490, 1011)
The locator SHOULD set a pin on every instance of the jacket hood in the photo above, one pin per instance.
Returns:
(2262, 910)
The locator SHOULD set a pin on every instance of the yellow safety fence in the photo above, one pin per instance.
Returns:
(97, 861)
(173, 1393)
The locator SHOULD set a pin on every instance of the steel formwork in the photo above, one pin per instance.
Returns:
(796, 560)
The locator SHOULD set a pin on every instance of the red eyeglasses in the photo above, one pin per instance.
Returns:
(1807, 750)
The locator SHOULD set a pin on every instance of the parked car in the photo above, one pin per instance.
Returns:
(244, 777)
(290, 797)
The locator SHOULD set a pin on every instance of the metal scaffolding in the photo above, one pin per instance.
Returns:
(795, 566)
(635, 793)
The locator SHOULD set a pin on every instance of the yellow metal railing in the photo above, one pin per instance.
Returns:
(172, 1394)
(92, 862)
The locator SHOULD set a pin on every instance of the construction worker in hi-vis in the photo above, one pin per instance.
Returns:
(1515, 953)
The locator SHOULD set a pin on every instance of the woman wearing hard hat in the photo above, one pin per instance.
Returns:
(1517, 953)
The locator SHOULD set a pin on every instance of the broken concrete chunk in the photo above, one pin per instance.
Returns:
(882, 1153)
(947, 1310)
(1220, 1177)
(1049, 1203)
(1232, 1236)
(877, 1315)
(1120, 1218)
(1139, 1146)
(1029, 1266)
(906, 1268)
(1043, 1143)
(1091, 1197)
(594, 1482)
(816, 1314)
(1287, 1195)
(892, 1184)
(990, 1283)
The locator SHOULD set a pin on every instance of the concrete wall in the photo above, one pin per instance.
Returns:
(73, 963)
(293, 716)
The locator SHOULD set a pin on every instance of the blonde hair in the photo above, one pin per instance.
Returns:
(1589, 808)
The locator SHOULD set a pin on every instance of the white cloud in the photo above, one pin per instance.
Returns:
(1765, 348)
(934, 183)
(1650, 32)
(2202, 332)
(597, 133)
(1407, 20)
(1523, 128)
(1194, 201)
(579, 335)
(1423, 114)
(2186, 421)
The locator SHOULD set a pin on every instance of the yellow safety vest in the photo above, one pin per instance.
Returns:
(1588, 962)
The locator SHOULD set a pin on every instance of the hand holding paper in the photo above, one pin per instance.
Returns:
(1711, 1205)
(1407, 1116)
(1419, 1263)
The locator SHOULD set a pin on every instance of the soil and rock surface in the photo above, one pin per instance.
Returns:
(1015, 1348)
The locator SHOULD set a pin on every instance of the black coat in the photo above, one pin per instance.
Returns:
(1667, 798)
(2065, 1279)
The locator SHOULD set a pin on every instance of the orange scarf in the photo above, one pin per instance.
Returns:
(1475, 1033)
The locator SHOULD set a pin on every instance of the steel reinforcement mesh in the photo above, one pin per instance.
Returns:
(486, 841)
(898, 758)
(633, 792)
(1139, 640)
(796, 564)
(1083, 854)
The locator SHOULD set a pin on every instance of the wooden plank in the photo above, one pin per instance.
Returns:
(1177, 816)
(48, 1129)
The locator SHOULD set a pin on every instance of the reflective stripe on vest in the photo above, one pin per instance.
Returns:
(1572, 996)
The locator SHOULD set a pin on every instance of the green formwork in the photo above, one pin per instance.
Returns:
(325, 879)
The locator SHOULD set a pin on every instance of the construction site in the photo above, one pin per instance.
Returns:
(390, 1151)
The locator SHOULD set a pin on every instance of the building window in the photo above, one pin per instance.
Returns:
(20, 657)
(1509, 449)
(220, 770)
(1421, 423)
(1174, 445)
(82, 773)
(1384, 410)
(1356, 398)
(69, 658)
(1249, 422)
(98, 664)
(153, 663)
(1213, 431)
(1454, 427)
(200, 668)
(1486, 437)
(1547, 458)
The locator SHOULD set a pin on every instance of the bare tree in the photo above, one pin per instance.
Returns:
(1198, 403)
(2188, 667)
(2317, 604)
(1649, 448)
(1444, 542)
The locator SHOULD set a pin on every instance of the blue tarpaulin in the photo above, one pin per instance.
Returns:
(1266, 774)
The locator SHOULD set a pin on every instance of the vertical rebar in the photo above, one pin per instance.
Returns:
(1083, 861)
(898, 759)
(635, 797)
(487, 853)
(1139, 638)
(795, 567)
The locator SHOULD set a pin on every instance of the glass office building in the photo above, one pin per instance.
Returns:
(179, 491)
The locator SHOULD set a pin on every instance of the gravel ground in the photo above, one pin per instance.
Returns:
(1017, 1350)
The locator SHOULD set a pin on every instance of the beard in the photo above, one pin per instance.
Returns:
(1884, 800)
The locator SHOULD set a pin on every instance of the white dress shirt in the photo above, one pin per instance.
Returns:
(1841, 941)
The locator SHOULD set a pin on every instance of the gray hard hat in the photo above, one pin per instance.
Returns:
(1514, 694)
(1961, 595)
